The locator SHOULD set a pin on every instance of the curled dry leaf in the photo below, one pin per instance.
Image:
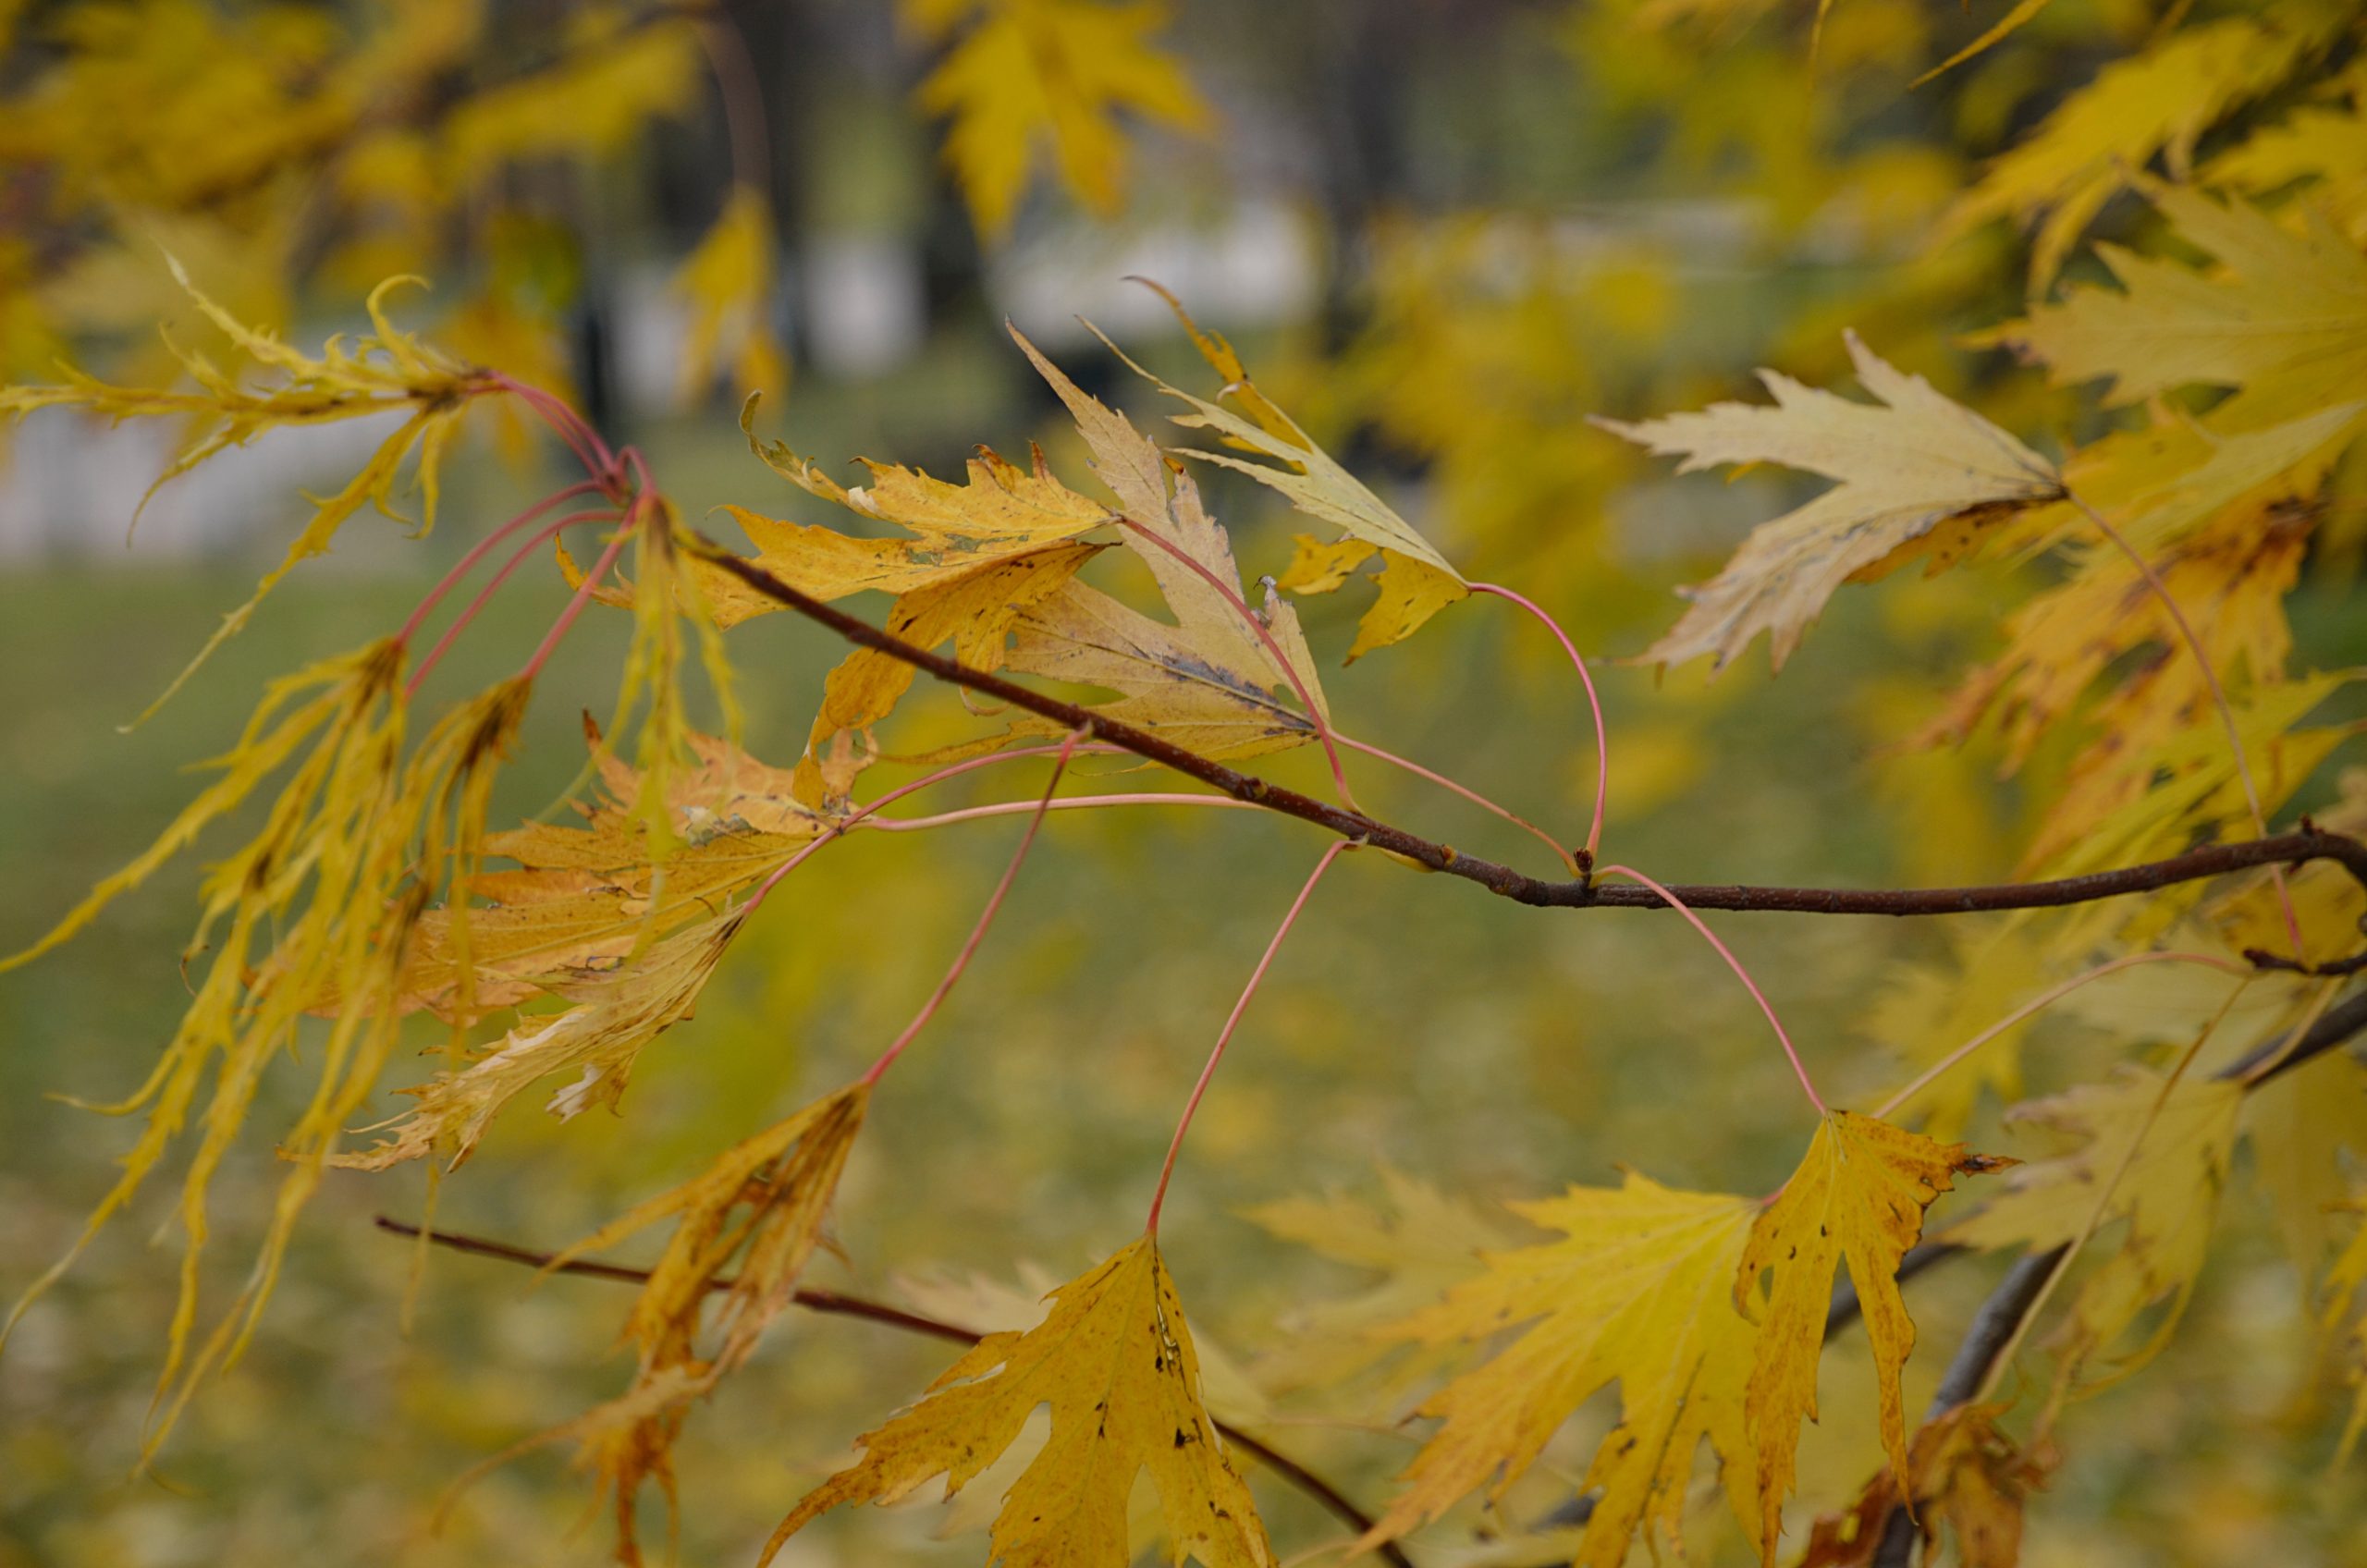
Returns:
(1906, 465)
(743, 1230)
(1114, 1361)
(1965, 1477)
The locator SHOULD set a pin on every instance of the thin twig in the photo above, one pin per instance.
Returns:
(837, 1304)
(2308, 843)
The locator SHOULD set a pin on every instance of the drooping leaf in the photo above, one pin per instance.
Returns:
(1114, 1361)
(743, 1232)
(1640, 1291)
(384, 371)
(1906, 465)
(1858, 1197)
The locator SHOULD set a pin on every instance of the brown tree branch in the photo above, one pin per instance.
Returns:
(837, 1304)
(2308, 843)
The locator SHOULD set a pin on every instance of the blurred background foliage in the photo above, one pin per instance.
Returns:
(1444, 232)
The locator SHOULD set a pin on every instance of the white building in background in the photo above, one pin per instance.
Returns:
(71, 486)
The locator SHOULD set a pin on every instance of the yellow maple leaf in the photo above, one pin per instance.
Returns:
(2285, 320)
(1114, 1361)
(1642, 1291)
(1906, 465)
(580, 897)
(1858, 1197)
(976, 612)
(999, 511)
(1420, 1241)
(2172, 1166)
(1032, 72)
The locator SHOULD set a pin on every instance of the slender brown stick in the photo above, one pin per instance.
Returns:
(2307, 844)
(838, 1304)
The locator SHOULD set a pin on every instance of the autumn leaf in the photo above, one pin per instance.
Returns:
(2157, 103)
(2172, 1167)
(1419, 581)
(384, 371)
(578, 897)
(1420, 1243)
(1858, 1197)
(1967, 1478)
(976, 612)
(1210, 682)
(1641, 1292)
(1058, 72)
(743, 1232)
(1114, 1361)
(727, 282)
(2284, 320)
(1906, 466)
(1001, 514)
(598, 1038)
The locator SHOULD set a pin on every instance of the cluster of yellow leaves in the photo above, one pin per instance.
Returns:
(2171, 1158)
(991, 567)
(1662, 1291)
(1028, 78)
(1415, 583)
(328, 907)
(2159, 103)
(271, 145)
(321, 902)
